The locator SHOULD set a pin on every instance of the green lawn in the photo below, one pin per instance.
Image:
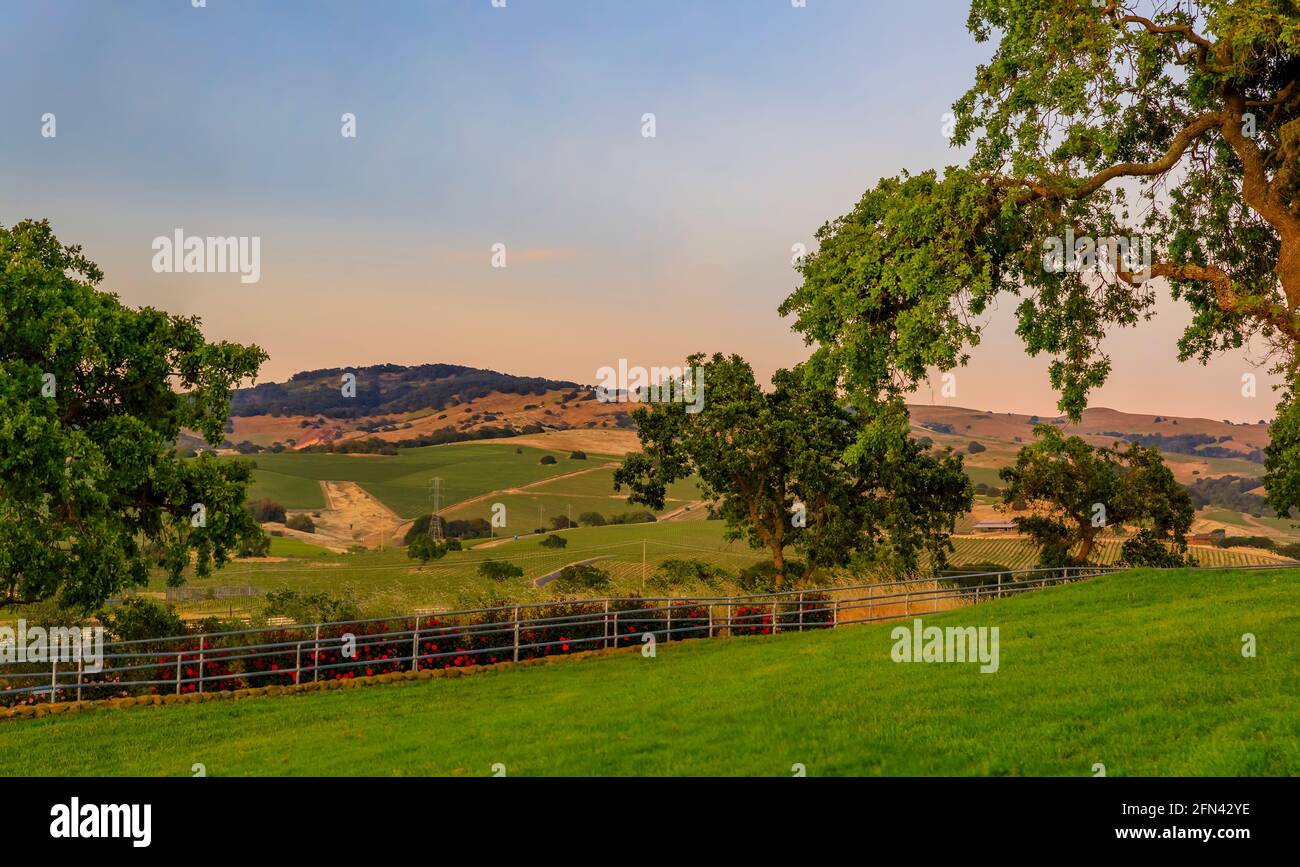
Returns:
(1141, 671)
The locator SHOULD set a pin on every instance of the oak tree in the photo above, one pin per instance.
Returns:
(1175, 127)
(93, 395)
(1078, 491)
(798, 468)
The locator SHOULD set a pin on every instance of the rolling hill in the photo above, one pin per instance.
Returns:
(423, 405)
(1141, 671)
(397, 409)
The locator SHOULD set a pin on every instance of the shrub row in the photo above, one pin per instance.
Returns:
(235, 662)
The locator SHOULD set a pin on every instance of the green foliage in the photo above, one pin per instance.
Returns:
(591, 519)
(577, 455)
(301, 522)
(1082, 490)
(1292, 550)
(547, 460)
(677, 574)
(499, 570)
(139, 618)
(1226, 541)
(473, 528)
(581, 578)
(762, 577)
(258, 546)
(317, 607)
(426, 548)
(1229, 492)
(266, 510)
(554, 541)
(1176, 128)
(93, 395)
(634, 517)
(866, 489)
(1145, 548)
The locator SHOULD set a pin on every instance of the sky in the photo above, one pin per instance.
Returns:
(521, 126)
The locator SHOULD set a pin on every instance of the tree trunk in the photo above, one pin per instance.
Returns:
(1088, 541)
(778, 561)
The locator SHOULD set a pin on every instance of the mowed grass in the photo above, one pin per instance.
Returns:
(402, 481)
(1141, 671)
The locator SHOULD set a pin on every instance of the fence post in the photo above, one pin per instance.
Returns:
(178, 672)
(709, 608)
(297, 663)
(776, 616)
(79, 664)
(801, 611)
(907, 603)
(202, 647)
(730, 630)
(835, 614)
(615, 629)
(415, 646)
(516, 633)
(54, 674)
(871, 604)
(668, 635)
(606, 623)
(315, 657)
(999, 585)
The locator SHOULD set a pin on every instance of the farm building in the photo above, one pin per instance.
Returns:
(995, 526)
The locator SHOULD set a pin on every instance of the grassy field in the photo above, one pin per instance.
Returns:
(592, 491)
(1141, 671)
(388, 582)
(402, 481)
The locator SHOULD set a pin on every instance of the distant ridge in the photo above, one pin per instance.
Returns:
(384, 388)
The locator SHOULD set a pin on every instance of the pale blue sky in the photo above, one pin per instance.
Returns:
(521, 125)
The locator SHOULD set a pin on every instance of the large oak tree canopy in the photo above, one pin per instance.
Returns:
(862, 489)
(1105, 120)
(1079, 491)
(93, 395)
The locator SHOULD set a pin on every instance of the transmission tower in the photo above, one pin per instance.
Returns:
(435, 520)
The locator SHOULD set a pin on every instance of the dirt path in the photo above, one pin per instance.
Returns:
(543, 580)
(351, 517)
(681, 513)
(521, 488)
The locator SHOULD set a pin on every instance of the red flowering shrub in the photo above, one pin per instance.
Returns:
(230, 661)
(751, 620)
